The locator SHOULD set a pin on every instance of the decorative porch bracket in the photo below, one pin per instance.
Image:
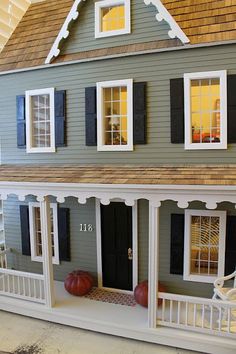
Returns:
(47, 252)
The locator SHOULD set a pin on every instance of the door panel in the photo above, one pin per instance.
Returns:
(116, 228)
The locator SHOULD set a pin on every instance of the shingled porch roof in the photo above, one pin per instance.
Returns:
(208, 175)
(202, 21)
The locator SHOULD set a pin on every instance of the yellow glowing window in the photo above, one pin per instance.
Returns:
(205, 111)
(115, 115)
(204, 245)
(113, 18)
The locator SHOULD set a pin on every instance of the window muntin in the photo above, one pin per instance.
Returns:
(112, 17)
(204, 245)
(36, 233)
(205, 110)
(115, 115)
(40, 116)
(40, 121)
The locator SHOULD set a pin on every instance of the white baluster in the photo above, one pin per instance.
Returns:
(186, 314)
(163, 310)
(211, 317)
(194, 314)
(171, 311)
(179, 311)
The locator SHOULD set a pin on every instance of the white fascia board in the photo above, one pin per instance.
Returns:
(163, 14)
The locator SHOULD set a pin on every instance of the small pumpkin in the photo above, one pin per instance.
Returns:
(78, 283)
(141, 293)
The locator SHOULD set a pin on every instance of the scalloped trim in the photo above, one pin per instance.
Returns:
(163, 14)
(174, 32)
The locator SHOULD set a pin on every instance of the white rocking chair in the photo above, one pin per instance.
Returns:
(224, 293)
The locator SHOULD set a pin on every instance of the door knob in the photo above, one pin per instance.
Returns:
(130, 254)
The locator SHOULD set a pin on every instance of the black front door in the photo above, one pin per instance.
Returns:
(116, 227)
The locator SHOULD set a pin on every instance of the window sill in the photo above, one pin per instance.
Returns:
(112, 33)
(40, 150)
(115, 148)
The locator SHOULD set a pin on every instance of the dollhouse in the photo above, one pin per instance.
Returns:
(118, 147)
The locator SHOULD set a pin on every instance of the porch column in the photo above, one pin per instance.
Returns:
(153, 263)
(47, 252)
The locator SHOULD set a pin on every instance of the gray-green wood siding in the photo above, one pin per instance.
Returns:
(83, 244)
(144, 27)
(155, 69)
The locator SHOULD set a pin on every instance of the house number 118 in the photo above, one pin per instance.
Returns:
(86, 227)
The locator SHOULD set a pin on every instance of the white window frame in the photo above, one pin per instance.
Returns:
(100, 115)
(29, 138)
(187, 245)
(110, 3)
(222, 75)
(34, 257)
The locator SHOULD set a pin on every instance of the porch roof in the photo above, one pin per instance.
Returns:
(211, 175)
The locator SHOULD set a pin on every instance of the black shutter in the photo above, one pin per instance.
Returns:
(177, 110)
(60, 118)
(91, 115)
(20, 117)
(139, 112)
(25, 232)
(230, 251)
(64, 234)
(177, 244)
(231, 99)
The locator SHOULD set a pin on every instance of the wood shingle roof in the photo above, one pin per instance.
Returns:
(202, 21)
(208, 175)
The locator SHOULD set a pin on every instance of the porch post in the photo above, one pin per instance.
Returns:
(153, 264)
(47, 252)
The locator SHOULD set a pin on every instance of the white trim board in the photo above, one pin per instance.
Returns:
(134, 241)
(163, 14)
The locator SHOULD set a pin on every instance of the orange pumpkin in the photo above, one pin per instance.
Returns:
(141, 293)
(78, 283)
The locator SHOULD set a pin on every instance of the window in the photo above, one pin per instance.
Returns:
(35, 232)
(206, 110)
(112, 18)
(115, 115)
(40, 121)
(204, 247)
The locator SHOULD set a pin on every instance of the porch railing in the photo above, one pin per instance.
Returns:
(197, 314)
(3, 257)
(22, 285)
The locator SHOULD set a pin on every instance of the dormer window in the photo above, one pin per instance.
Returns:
(112, 18)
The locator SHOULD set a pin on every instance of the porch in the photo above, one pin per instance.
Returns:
(175, 314)
(178, 315)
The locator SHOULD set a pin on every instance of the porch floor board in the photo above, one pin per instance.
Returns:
(120, 320)
(134, 316)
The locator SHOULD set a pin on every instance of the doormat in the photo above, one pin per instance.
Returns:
(111, 297)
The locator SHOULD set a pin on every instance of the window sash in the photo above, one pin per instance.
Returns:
(35, 231)
(199, 251)
(42, 122)
(221, 121)
(106, 4)
(102, 116)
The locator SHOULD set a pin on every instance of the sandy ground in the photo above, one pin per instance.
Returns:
(23, 335)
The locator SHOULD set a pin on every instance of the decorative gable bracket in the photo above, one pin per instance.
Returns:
(64, 32)
(163, 14)
(174, 32)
